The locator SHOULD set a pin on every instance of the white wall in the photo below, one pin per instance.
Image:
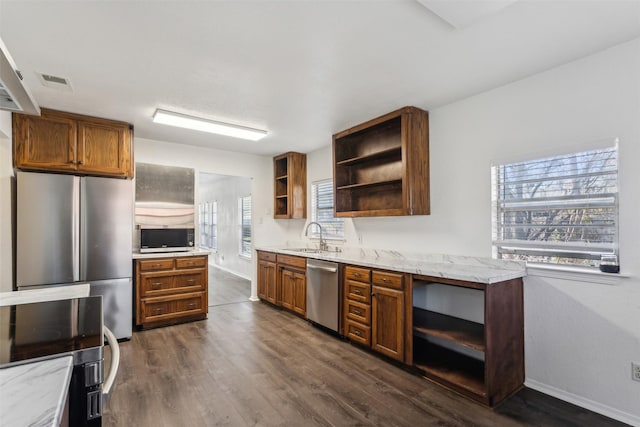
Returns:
(580, 337)
(6, 172)
(226, 191)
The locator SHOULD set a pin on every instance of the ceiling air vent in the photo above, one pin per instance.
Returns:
(55, 82)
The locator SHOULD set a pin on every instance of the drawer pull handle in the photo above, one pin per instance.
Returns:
(157, 310)
(357, 312)
(385, 280)
(156, 265)
(357, 292)
(192, 305)
(356, 274)
(191, 280)
(156, 285)
(357, 332)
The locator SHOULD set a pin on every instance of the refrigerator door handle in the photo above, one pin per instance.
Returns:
(76, 224)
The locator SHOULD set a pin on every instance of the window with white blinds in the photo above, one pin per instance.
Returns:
(244, 222)
(322, 211)
(208, 221)
(557, 210)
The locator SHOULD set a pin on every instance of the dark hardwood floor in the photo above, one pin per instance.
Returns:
(226, 288)
(251, 364)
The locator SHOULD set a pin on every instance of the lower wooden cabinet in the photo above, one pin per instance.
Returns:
(267, 278)
(282, 281)
(171, 290)
(374, 304)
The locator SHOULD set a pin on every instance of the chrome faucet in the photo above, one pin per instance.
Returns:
(323, 244)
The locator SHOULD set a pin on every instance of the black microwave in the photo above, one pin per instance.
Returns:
(166, 239)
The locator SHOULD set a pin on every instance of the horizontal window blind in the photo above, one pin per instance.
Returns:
(245, 226)
(560, 210)
(322, 211)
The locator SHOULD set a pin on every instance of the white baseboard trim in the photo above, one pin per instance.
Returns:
(230, 271)
(591, 405)
(254, 299)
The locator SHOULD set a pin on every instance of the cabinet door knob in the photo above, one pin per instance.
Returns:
(79, 162)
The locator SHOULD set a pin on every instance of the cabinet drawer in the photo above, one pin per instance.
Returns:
(359, 274)
(388, 280)
(359, 312)
(167, 308)
(292, 261)
(191, 262)
(266, 256)
(358, 333)
(358, 291)
(155, 264)
(191, 280)
(155, 284)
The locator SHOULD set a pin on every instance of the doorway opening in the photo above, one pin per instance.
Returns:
(224, 228)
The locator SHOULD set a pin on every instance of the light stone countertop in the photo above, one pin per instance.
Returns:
(34, 394)
(195, 252)
(471, 269)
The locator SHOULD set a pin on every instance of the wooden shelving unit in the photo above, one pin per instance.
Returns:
(484, 361)
(381, 167)
(290, 185)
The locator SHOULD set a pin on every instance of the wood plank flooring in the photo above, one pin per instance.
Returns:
(250, 364)
(226, 288)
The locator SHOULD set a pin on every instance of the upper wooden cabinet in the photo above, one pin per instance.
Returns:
(381, 167)
(290, 185)
(72, 143)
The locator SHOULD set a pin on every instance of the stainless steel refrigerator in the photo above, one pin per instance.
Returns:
(72, 229)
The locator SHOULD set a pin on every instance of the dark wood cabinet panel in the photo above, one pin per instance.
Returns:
(72, 143)
(387, 309)
(282, 281)
(374, 310)
(170, 290)
(290, 186)
(381, 167)
(484, 361)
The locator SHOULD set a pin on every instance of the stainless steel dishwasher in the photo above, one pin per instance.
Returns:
(322, 293)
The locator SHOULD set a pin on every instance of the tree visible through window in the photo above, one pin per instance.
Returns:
(558, 210)
(244, 221)
(322, 211)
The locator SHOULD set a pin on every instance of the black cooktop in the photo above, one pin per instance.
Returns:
(29, 331)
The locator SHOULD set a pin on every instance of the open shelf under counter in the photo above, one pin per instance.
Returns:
(371, 184)
(459, 331)
(455, 370)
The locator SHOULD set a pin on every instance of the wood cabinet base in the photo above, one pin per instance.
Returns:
(171, 290)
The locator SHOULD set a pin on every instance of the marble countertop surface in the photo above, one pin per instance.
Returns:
(471, 269)
(34, 394)
(195, 252)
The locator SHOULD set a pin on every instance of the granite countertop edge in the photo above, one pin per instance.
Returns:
(471, 269)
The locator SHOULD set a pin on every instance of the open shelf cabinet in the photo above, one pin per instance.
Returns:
(381, 167)
(482, 360)
(290, 185)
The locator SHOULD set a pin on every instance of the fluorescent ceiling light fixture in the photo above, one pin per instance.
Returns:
(205, 125)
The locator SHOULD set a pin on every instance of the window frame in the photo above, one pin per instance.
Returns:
(581, 255)
(336, 223)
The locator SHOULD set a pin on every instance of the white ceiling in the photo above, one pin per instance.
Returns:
(303, 70)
